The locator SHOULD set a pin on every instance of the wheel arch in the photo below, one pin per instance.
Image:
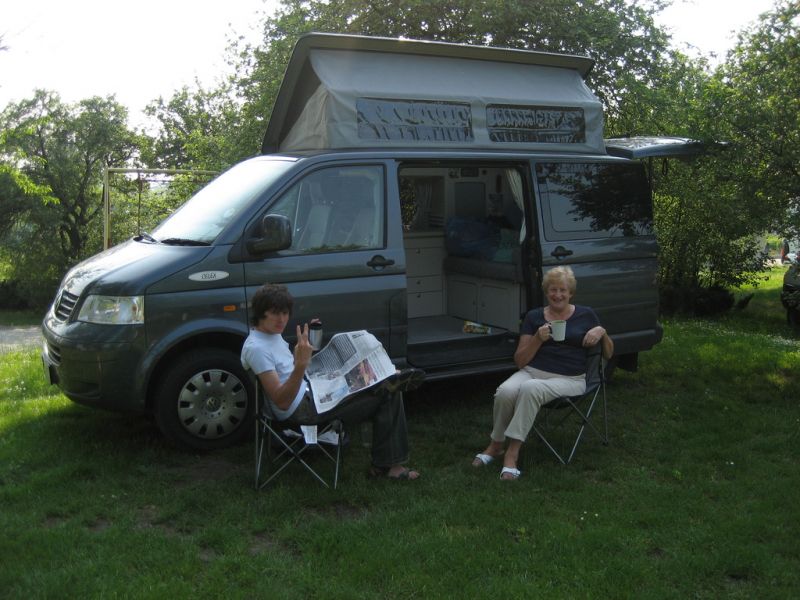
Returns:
(231, 342)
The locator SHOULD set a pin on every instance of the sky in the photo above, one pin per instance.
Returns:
(84, 48)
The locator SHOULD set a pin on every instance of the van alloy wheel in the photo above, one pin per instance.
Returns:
(204, 401)
(212, 404)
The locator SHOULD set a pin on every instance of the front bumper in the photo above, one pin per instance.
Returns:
(94, 372)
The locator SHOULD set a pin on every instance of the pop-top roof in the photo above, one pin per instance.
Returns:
(344, 91)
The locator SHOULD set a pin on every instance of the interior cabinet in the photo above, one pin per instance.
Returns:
(487, 301)
(424, 255)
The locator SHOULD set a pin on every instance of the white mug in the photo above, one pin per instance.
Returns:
(558, 329)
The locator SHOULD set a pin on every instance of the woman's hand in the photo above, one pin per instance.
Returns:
(544, 333)
(593, 336)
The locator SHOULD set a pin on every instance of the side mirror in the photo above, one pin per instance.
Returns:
(276, 234)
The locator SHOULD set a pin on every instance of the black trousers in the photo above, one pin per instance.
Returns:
(384, 410)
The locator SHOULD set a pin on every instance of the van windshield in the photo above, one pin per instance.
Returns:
(201, 219)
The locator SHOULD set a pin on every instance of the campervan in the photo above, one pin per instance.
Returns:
(418, 190)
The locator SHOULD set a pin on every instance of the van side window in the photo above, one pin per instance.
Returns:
(335, 209)
(594, 200)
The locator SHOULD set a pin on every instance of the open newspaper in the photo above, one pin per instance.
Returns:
(350, 362)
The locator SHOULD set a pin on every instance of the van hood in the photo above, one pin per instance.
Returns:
(124, 271)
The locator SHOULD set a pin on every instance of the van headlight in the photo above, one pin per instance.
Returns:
(113, 310)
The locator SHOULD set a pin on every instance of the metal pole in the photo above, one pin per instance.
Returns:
(106, 210)
(106, 198)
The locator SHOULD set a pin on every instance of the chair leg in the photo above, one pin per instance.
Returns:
(586, 421)
(261, 439)
(291, 451)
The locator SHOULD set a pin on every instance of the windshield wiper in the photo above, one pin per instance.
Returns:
(143, 235)
(183, 242)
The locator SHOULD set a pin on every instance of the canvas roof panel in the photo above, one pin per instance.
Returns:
(353, 92)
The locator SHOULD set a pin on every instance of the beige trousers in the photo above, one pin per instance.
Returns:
(518, 399)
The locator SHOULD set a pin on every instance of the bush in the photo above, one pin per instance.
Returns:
(10, 296)
(697, 301)
(33, 274)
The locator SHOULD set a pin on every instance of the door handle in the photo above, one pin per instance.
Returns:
(560, 252)
(379, 262)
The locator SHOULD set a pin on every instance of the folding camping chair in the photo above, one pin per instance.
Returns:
(576, 410)
(275, 450)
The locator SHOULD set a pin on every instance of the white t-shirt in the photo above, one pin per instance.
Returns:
(264, 352)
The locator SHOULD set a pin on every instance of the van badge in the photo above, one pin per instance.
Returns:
(208, 275)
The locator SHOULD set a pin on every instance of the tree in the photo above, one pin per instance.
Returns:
(53, 155)
(619, 34)
(757, 99)
(204, 128)
(199, 130)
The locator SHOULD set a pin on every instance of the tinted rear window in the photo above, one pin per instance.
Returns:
(594, 200)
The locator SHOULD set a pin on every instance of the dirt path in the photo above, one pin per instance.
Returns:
(19, 338)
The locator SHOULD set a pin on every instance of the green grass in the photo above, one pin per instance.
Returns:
(764, 312)
(694, 497)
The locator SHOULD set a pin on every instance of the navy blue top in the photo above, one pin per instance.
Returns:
(567, 357)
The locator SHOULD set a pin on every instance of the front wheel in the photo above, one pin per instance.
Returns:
(203, 402)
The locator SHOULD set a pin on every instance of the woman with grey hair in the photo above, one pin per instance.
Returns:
(548, 368)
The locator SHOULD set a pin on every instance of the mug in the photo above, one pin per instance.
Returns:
(558, 329)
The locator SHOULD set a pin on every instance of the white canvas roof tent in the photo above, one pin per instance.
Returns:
(344, 91)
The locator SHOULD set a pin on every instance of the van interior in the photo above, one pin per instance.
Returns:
(466, 291)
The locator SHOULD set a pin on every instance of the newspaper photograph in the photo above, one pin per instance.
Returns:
(351, 362)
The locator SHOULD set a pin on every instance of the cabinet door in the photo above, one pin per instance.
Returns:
(424, 304)
(494, 304)
(462, 294)
(424, 261)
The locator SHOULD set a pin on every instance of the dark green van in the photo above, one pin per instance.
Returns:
(406, 188)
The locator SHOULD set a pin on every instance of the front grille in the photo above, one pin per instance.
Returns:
(65, 306)
(54, 352)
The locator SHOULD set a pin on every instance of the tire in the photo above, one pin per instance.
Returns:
(204, 401)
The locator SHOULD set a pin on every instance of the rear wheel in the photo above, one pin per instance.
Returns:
(203, 402)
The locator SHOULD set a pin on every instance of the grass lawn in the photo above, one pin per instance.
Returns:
(696, 495)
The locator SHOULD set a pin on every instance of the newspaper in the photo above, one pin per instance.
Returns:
(350, 362)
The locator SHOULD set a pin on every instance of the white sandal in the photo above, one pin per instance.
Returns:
(485, 459)
(515, 473)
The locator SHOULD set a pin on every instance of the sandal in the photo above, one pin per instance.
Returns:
(515, 473)
(482, 460)
(383, 472)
